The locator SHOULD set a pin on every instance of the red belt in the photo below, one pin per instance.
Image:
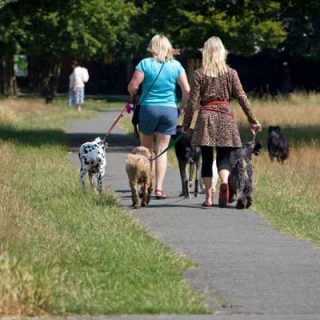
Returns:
(209, 106)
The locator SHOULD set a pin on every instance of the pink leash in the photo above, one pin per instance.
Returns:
(128, 108)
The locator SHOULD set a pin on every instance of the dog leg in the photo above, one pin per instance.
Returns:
(249, 202)
(91, 178)
(186, 187)
(196, 182)
(240, 203)
(183, 176)
(215, 176)
(245, 194)
(144, 197)
(100, 178)
(149, 193)
(134, 195)
(196, 188)
(191, 170)
(100, 182)
(83, 173)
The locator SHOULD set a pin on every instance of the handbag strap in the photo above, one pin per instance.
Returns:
(149, 89)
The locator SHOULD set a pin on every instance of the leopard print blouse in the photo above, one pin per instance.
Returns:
(216, 128)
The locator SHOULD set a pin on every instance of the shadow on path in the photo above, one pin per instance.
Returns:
(116, 142)
(32, 137)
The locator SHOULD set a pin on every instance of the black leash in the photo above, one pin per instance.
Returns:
(171, 144)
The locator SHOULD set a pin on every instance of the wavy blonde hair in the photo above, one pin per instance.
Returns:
(161, 48)
(214, 57)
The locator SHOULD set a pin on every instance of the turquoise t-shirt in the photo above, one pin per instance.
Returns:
(163, 92)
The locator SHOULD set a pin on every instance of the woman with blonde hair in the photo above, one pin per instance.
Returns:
(158, 115)
(214, 85)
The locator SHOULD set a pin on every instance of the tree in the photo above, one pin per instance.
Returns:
(245, 26)
(48, 31)
(8, 45)
(302, 22)
(3, 3)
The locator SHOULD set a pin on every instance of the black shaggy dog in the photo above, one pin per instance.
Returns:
(278, 145)
(241, 174)
(188, 155)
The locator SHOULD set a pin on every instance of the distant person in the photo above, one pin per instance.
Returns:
(159, 76)
(77, 80)
(214, 85)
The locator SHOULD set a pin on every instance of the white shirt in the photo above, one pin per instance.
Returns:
(76, 78)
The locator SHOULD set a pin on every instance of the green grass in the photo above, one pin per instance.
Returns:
(64, 252)
(287, 196)
(288, 207)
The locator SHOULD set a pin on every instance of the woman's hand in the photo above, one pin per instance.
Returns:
(132, 99)
(255, 127)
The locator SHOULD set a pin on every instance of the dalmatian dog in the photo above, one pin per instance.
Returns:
(93, 161)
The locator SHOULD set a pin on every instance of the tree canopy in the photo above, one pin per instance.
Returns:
(246, 26)
(302, 22)
(65, 28)
(50, 31)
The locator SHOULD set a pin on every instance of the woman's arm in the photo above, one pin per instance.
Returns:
(135, 82)
(193, 101)
(185, 89)
(240, 95)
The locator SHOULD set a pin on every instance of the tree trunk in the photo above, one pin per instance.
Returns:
(43, 75)
(7, 77)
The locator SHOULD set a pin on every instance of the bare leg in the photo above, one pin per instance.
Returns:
(208, 189)
(161, 162)
(224, 188)
(146, 141)
(224, 175)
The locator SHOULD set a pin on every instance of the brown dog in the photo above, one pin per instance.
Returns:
(140, 172)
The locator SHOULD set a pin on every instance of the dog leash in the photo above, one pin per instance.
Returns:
(128, 108)
(171, 144)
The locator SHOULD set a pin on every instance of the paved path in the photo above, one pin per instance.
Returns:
(257, 272)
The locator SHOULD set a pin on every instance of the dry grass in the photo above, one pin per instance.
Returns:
(62, 252)
(26, 106)
(7, 115)
(300, 173)
(288, 195)
(296, 110)
(21, 292)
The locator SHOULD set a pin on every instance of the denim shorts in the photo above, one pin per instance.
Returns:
(158, 119)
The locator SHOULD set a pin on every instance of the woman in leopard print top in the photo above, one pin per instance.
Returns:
(214, 85)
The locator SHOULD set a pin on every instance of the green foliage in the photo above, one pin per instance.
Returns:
(3, 3)
(301, 20)
(64, 28)
(246, 27)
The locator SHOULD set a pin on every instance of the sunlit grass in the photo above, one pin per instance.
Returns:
(64, 252)
(288, 195)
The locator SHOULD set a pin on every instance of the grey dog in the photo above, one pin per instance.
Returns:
(241, 174)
